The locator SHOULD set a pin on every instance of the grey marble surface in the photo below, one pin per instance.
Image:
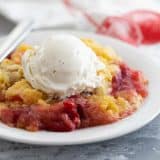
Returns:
(143, 144)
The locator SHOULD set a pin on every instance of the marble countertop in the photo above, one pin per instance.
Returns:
(143, 144)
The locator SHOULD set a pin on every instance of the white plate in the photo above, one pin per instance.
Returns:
(149, 110)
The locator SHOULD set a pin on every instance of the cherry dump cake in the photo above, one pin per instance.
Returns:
(111, 93)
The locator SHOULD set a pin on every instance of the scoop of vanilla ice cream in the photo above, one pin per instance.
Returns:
(62, 66)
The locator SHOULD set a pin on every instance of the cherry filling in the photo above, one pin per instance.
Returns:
(128, 79)
(62, 116)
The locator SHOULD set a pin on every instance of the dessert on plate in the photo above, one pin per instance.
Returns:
(67, 83)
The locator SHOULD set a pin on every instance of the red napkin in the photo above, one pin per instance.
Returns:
(135, 27)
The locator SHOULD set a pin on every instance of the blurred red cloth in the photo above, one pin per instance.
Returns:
(135, 27)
